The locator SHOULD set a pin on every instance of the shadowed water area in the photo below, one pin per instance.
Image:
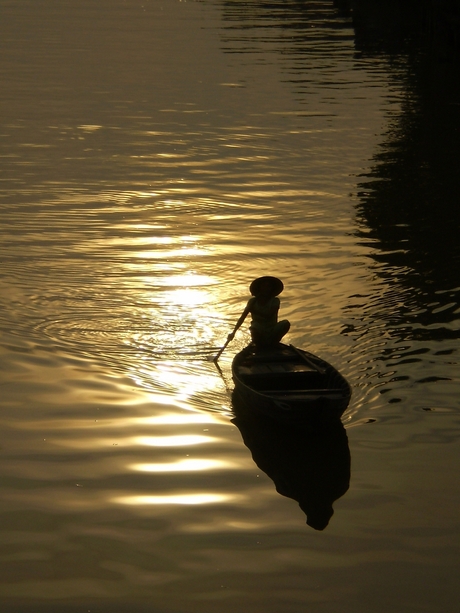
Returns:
(156, 157)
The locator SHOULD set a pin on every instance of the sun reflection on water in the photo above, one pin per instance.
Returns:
(121, 422)
(187, 297)
(180, 499)
(179, 440)
(182, 466)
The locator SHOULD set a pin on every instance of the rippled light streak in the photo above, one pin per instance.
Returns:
(182, 466)
(198, 418)
(180, 440)
(188, 297)
(181, 499)
(121, 422)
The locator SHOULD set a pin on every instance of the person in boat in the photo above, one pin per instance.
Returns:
(266, 330)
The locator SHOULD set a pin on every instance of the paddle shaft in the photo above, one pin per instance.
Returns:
(221, 351)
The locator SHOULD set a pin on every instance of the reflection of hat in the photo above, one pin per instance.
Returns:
(318, 513)
(275, 283)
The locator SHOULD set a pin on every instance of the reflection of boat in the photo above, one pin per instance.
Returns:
(309, 465)
(289, 384)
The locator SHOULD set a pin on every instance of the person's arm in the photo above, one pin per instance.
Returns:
(240, 321)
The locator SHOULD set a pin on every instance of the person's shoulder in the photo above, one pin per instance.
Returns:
(275, 301)
(250, 302)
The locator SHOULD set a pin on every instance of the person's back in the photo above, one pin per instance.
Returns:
(263, 307)
(264, 312)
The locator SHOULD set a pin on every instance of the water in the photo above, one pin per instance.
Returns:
(156, 157)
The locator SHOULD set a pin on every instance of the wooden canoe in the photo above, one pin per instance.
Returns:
(288, 384)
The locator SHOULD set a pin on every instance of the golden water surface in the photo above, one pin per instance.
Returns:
(157, 156)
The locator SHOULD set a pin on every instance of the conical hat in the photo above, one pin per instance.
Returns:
(276, 285)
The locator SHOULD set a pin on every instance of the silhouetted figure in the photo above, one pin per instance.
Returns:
(309, 465)
(265, 328)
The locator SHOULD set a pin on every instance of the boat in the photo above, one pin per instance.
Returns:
(288, 384)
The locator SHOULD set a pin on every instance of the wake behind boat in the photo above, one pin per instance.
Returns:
(289, 384)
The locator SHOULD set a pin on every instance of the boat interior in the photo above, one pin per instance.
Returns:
(285, 370)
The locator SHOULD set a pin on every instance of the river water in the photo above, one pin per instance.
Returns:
(156, 156)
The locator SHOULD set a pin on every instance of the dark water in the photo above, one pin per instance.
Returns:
(155, 158)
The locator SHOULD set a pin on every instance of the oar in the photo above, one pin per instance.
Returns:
(221, 351)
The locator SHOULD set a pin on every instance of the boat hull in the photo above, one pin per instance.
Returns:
(289, 385)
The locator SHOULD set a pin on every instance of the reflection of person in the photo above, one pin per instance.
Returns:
(265, 328)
